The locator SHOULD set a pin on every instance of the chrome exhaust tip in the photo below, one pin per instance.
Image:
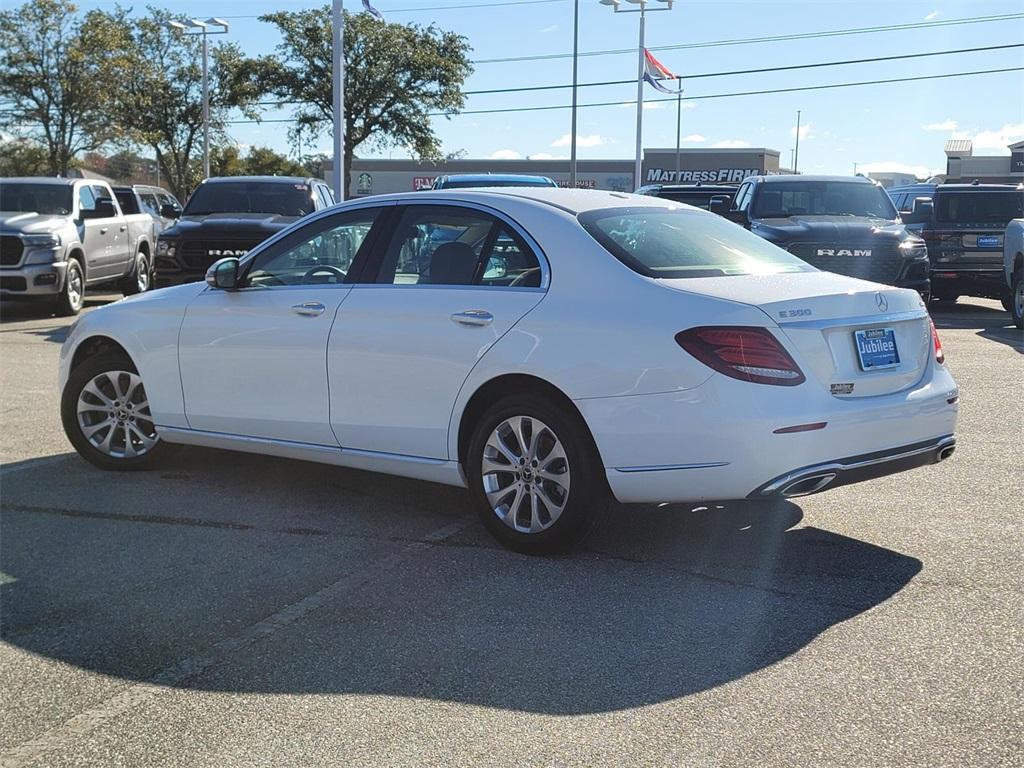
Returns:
(807, 485)
(944, 453)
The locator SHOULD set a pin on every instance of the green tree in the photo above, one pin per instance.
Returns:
(157, 102)
(50, 88)
(263, 161)
(396, 75)
(22, 157)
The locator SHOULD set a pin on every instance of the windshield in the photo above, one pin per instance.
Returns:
(666, 242)
(497, 183)
(822, 198)
(250, 197)
(51, 199)
(997, 207)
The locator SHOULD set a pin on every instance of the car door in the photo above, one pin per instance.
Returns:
(95, 235)
(119, 249)
(253, 360)
(448, 284)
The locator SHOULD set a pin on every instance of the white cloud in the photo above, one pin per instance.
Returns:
(552, 28)
(933, 15)
(546, 156)
(945, 125)
(694, 137)
(505, 154)
(647, 105)
(998, 139)
(892, 166)
(593, 140)
(731, 144)
(805, 132)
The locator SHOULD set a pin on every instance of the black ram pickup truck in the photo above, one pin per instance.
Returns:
(230, 215)
(842, 224)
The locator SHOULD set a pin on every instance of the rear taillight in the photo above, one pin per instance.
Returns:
(745, 353)
(940, 358)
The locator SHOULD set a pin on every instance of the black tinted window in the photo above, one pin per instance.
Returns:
(53, 199)
(822, 198)
(251, 197)
(127, 202)
(995, 207)
(696, 199)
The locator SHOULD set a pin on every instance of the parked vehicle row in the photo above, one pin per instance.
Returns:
(473, 338)
(58, 236)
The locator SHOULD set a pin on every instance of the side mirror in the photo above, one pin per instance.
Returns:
(169, 211)
(921, 213)
(223, 274)
(720, 204)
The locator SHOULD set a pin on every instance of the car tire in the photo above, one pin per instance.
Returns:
(106, 415)
(72, 294)
(554, 473)
(139, 279)
(1017, 299)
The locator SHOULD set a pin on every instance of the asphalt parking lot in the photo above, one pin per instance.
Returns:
(241, 610)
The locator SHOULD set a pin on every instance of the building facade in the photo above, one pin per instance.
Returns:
(963, 166)
(379, 176)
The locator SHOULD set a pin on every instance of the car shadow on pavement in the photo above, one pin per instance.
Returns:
(991, 322)
(16, 310)
(659, 603)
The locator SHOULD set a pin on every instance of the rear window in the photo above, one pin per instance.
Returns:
(251, 197)
(822, 198)
(993, 207)
(675, 242)
(696, 199)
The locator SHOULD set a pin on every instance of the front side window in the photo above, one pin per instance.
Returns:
(676, 242)
(86, 199)
(321, 253)
(822, 198)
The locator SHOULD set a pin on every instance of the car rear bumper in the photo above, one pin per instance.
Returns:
(719, 441)
(988, 282)
(33, 279)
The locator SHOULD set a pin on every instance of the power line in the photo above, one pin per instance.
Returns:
(768, 39)
(757, 71)
(692, 98)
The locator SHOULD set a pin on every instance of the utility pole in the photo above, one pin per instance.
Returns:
(796, 151)
(575, 71)
(338, 96)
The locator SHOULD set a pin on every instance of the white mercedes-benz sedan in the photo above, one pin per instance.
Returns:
(548, 349)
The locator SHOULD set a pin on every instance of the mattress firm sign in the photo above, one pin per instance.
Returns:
(665, 176)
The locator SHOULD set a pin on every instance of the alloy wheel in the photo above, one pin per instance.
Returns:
(525, 474)
(141, 273)
(1018, 298)
(114, 415)
(75, 287)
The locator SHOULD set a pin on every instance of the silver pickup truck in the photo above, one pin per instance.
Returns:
(58, 236)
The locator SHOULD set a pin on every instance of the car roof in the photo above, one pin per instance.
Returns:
(495, 177)
(574, 201)
(46, 180)
(270, 179)
(977, 188)
(792, 178)
(694, 187)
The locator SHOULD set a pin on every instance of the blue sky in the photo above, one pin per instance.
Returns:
(884, 126)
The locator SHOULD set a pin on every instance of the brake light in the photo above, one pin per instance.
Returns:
(745, 353)
(940, 357)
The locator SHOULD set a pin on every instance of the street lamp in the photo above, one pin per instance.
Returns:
(646, 6)
(203, 28)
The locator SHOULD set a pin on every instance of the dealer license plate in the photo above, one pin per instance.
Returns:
(989, 241)
(876, 348)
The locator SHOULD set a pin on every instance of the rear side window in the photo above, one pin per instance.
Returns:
(127, 201)
(994, 207)
(675, 242)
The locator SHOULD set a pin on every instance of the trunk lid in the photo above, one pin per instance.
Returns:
(819, 314)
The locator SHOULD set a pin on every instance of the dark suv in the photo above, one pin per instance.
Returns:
(228, 216)
(963, 226)
(711, 197)
(842, 224)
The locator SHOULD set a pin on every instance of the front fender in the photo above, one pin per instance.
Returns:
(147, 327)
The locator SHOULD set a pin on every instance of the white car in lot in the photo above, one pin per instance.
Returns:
(546, 348)
(1013, 268)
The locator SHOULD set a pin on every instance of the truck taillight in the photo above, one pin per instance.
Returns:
(940, 357)
(745, 353)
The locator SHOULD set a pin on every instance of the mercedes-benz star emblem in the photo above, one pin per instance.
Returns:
(881, 301)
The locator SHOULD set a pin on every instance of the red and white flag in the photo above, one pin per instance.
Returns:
(655, 71)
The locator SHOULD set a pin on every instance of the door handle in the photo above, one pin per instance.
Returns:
(309, 308)
(473, 317)
(103, 230)
(123, 228)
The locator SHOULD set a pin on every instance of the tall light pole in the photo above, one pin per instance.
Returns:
(796, 151)
(575, 70)
(338, 96)
(203, 28)
(643, 10)
(679, 125)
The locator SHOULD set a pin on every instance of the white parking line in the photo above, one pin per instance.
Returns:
(82, 724)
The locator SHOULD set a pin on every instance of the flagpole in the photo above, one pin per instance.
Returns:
(338, 96)
(575, 63)
(639, 102)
